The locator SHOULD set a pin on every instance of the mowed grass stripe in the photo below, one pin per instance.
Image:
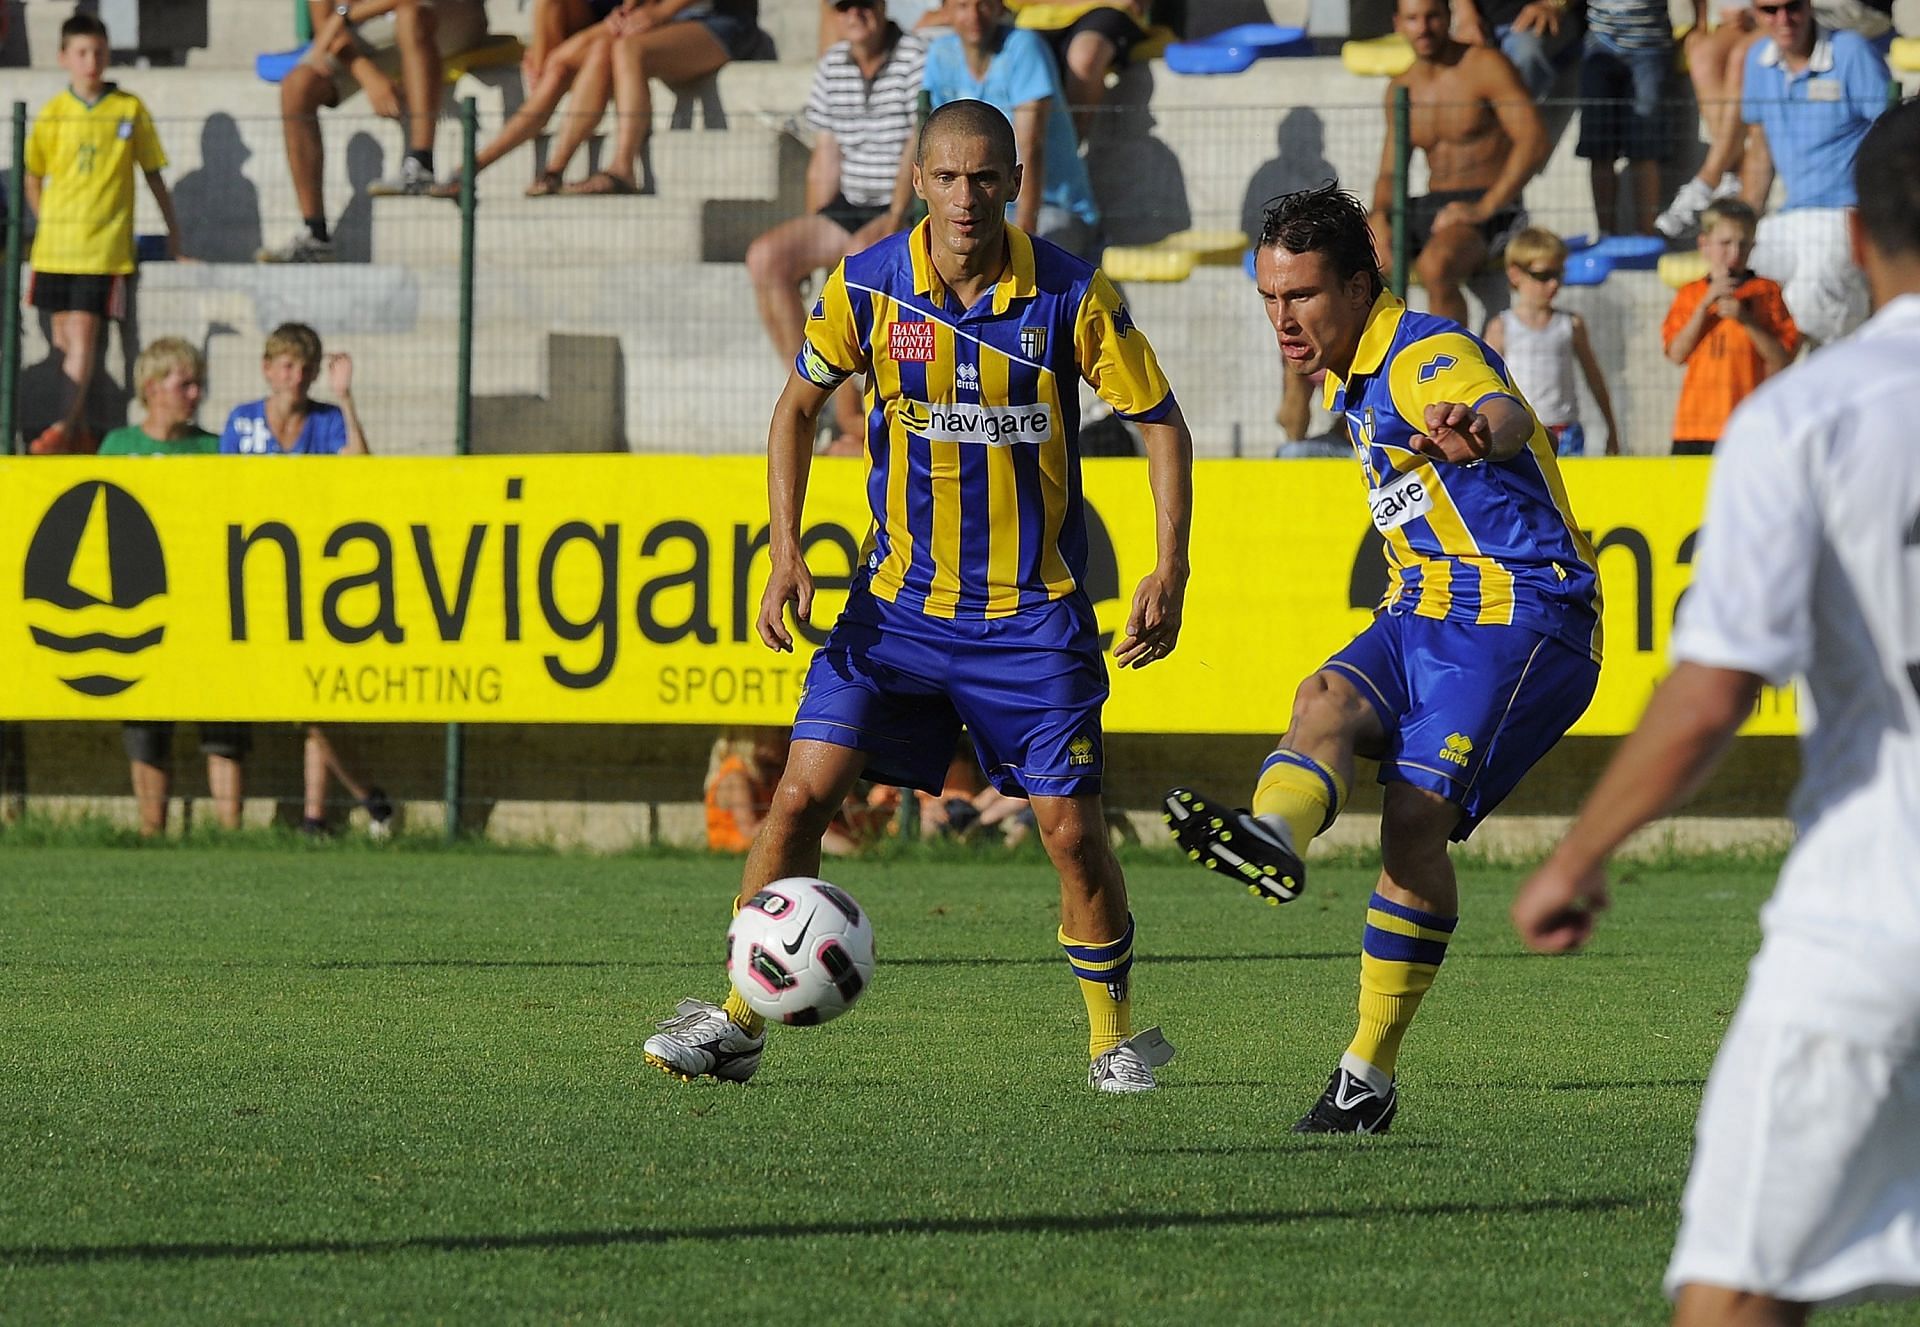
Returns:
(271, 1086)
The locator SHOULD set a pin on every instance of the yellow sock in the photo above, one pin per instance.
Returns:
(742, 1014)
(1102, 968)
(1301, 791)
(1400, 954)
(738, 1009)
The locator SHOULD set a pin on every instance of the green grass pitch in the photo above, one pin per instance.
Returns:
(248, 1085)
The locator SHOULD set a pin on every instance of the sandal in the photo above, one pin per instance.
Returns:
(545, 185)
(602, 183)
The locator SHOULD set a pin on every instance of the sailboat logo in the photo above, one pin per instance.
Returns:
(94, 572)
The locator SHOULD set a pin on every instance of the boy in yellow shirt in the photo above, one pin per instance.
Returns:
(79, 176)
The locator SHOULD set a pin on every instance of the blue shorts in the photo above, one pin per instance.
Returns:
(1621, 111)
(898, 685)
(1468, 709)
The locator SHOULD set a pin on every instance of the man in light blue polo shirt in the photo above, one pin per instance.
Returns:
(985, 60)
(1812, 93)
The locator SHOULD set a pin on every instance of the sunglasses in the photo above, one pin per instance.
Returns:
(1787, 7)
(1545, 273)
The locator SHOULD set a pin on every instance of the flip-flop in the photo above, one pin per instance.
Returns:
(546, 184)
(602, 183)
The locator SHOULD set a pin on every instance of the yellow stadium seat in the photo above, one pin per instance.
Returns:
(1153, 45)
(1148, 262)
(1679, 269)
(1905, 54)
(1377, 57)
(1221, 248)
(493, 53)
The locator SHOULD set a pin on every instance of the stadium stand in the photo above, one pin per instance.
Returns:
(660, 278)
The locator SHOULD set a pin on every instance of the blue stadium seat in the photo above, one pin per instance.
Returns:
(1589, 262)
(1232, 51)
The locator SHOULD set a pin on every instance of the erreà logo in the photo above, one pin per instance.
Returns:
(94, 565)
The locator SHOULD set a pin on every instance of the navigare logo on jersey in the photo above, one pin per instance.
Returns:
(910, 343)
(93, 567)
(990, 425)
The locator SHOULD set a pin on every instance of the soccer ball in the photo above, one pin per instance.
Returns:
(800, 951)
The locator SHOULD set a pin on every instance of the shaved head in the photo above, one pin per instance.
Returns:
(974, 119)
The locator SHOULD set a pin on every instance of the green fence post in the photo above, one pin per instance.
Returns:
(10, 329)
(1402, 162)
(463, 403)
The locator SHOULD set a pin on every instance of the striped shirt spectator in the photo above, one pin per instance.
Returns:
(870, 119)
(1631, 25)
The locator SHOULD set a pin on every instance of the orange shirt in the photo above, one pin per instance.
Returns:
(1724, 367)
(724, 831)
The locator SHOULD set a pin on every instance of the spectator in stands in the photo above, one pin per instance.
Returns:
(1534, 34)
(1086, 38)
(80, 159)
(1541, 344)
(983, 59)
(548, 80)
(743, 769)
(865, 97)
(1623, 76)
(1714, 59)
(550, 26)
(1811, 94)
(1483, 138)
(1730, 328)
(908, 15)
(288, 422)
(365, 43)
(168, 379)
(675, 41)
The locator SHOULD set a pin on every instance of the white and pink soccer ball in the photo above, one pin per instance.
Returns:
(800, 951)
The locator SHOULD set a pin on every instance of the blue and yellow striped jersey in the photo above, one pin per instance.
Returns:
(1494, 544)
(973, 416)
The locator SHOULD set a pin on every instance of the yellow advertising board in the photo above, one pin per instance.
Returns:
(623, 588)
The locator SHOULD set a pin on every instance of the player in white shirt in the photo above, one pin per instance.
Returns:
(1805, 1188)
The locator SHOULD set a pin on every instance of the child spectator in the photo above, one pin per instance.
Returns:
(1541, 343)
(287, 422)
(168, 378)
(743, 769)
(1623, 71)
(80, 160)
(1730, 328)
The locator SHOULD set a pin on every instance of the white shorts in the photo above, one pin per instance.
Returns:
(1806, 1167)
(458, 25)
(1805, 249)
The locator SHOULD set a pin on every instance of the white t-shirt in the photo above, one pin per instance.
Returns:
(1809, 566)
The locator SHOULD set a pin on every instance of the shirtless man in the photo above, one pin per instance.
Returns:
(1484, 140)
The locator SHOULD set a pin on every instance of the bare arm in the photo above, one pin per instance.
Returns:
(164, 201)
(823, 171)
(1496, 333)
(1756, 169)
(1153, 624)
(1772, 351)
(734, 795)
(1680, 739)
(789, 462)
(1596, 381)
(1468, 24)
(34, 184)
(1383, 182)
(340, 379)
(1458, 434)
(1030, 137)
(1513, 105)
(1687, 339)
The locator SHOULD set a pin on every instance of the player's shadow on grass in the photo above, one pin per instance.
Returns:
(1039, 1223)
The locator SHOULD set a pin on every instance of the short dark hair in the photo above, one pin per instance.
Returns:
(1326, 220)
(979, 119)
(1886, 175)
(82, 25)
